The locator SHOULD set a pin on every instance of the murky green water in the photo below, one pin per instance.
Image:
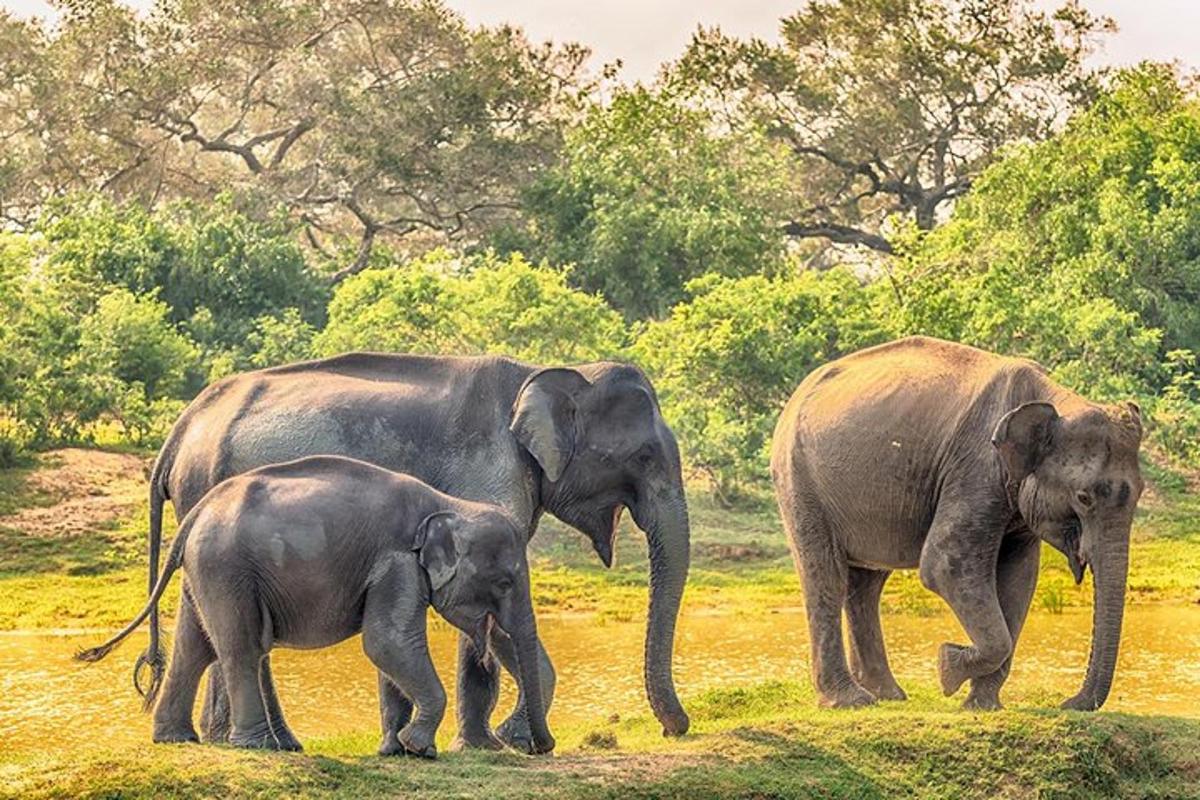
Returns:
(44, 695)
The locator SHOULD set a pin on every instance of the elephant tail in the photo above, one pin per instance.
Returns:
(153, 657)
(94, 654)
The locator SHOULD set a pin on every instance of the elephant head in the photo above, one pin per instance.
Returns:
(601, 443)
(479, 577)
(1079, 483)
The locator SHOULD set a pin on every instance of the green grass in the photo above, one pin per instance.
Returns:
(762, 741)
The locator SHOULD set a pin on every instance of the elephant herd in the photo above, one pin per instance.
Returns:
(326, 498)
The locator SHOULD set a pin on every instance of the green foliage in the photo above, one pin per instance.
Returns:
(484, 304)
(129, 339)
(217, 266)
(647, 197)
(1082, 252)
(725, 362)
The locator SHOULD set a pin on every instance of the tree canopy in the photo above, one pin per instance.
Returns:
(894, 107)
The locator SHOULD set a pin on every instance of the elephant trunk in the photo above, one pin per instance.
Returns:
(522, 628)
(1110, 567)
(668, 534)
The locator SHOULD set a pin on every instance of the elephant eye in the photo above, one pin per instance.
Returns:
(504, 585)
(1084, 498)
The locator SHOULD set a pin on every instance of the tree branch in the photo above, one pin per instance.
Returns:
(841, 234)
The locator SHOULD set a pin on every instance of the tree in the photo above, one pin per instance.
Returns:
(649, 195)
(364, 118)
(894, 107)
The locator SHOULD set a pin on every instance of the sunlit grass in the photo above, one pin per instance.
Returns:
(767, 740)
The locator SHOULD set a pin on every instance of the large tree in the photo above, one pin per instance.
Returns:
(894, 107)
(363, 117)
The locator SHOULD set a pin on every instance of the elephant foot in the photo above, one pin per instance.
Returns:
(852, 696)
(950, 671)
(390, 745)
(883, 686)
(1080, 702)
(982, 702)
(417, 742)
(476, 740)
(886, 691)
(265, 739)
(175, 735)
(515, 733)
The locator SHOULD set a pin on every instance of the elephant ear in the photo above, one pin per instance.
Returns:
(436, 547)
(545, 417)
(1024, 437)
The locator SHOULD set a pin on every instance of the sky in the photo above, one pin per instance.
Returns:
(642, 34)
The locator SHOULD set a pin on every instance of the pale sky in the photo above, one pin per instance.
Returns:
(645, 33)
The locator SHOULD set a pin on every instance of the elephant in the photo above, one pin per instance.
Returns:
(582, 443)
(372, 549)
(931, 455)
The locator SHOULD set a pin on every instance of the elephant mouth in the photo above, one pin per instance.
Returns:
(605, 545)
(479, 638)
(1072, 548)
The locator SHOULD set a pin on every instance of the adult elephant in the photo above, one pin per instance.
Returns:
(932, 455)
(582, 443)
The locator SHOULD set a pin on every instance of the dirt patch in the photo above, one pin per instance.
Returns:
(87, 490)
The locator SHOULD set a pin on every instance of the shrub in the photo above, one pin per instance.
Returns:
(485, 304)
(725, 362)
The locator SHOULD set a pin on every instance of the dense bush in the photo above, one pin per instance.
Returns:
(113, 312)
(220, 269)
(725, 362)
(483, 304)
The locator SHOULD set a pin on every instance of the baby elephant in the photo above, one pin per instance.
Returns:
(307, 554)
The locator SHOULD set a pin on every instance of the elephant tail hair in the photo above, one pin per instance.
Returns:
(153, 660)
(153, 657)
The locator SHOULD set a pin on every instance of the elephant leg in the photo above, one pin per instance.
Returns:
(478, 690)
(868, 655)
(190, 655)
(395, 711)
(214, 713)
(240, 631)
(287, 739)
(515, 731)
(823, 574)
(958, 562)
(1016, 579)
(402, 656)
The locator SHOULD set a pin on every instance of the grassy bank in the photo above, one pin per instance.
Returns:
(763, 742)
(72, 556)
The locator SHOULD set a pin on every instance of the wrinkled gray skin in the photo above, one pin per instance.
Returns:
(923, 454)
(308, 553)
(581, 443)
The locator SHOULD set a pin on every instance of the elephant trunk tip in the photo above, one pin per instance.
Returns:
(676, 724)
